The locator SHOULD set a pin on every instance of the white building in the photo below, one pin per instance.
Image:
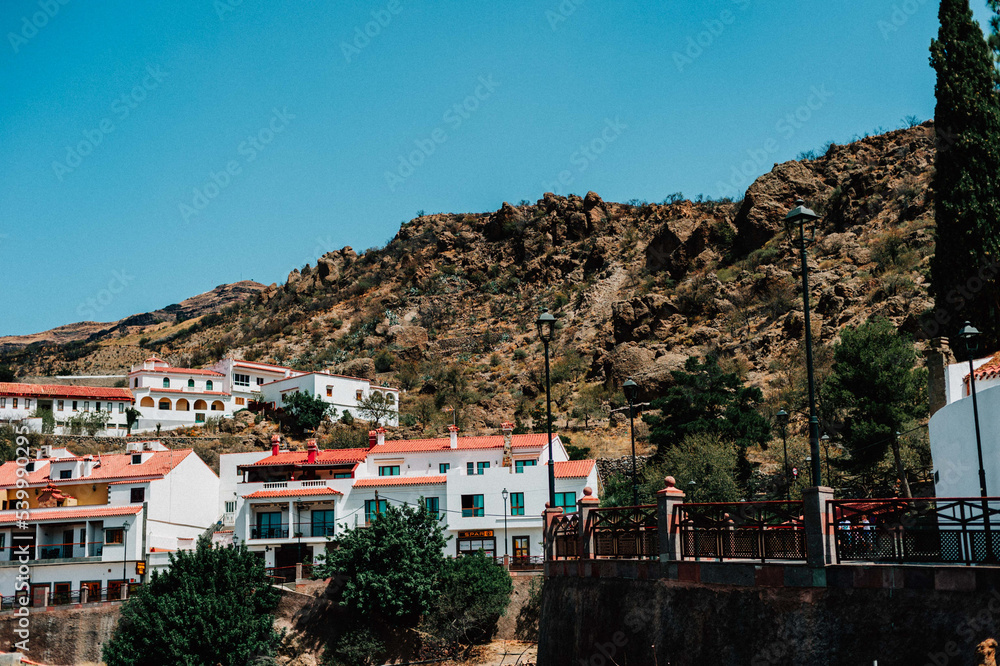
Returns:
(20, 402)
(177, 397)
(93, 522)
(284, 504)
(342, 392)
(953, 434)
(244, 378)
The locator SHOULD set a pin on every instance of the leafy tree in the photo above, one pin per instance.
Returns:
(873, 390)
(967, 174)
(88, 422)
(6, 374)
(705, 399)
(376, 406)
(391, 567)
(306, 411)
(589, 404)
(213, 606)
(474, 594)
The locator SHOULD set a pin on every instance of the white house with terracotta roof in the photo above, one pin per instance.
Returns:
(343, 393)
(177, 397)
(91, 522)
(284, 504)
(244, 378)
(20, 402)
(953, 435)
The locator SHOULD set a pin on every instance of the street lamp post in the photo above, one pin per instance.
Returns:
(968, 335)
(631, 390)
(546, 324)
(782, 417)
(504, 493)
(801, 215)
(125, 528)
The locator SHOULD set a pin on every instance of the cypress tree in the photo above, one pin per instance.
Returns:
(967, 176)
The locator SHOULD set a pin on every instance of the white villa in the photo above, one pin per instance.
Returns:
(953, 434)
(176, 397)
(95, 522)
(342, 392)
(244, 378)
(284, 504)
(20, 402)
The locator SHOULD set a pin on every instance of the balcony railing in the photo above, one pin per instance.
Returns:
(279, 531)
(52, 551)
(741, 530)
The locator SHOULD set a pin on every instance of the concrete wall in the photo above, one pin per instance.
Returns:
(853, 621)
(953, 445)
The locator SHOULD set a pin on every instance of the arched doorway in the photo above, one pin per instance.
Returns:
(182, 405)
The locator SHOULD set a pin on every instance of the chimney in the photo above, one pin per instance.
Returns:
(313, 450)
(938, 357)
(453, 431)
(88, 465)
(372, 438)
(380, 432)
(275, 444)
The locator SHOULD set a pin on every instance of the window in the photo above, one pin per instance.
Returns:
(342, 475)
(209, 385)
(166, 382)
(519, 465)
(371, 510)
(138, 495)
(135, 383)
(121, 407)
(15, 402)
(3, 402)
(269, 526)
(231, 506)
(517, 504)
(115, 535)
(471, 546)
(260, 381)
(329, 391)
(521, 547)
(190, 383)
(390, 399)
(323, 523)
(472, 506)
(433, 506)
(358, 394)
(388, 470)
(241, 380)
(241, 401)
(27, 403)
(86, 405)
(443, 468)
(199, 417)
(567, 501)
(136, 458)
(59, 405)
(30, 466)
(474, 469)
(65, 474)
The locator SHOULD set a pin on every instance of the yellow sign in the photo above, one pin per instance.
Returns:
(475, 534)
(140, 568)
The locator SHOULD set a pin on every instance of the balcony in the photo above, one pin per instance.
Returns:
(273, 531)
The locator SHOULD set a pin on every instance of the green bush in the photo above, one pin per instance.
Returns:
(475, 592)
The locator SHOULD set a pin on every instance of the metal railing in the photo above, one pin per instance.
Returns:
(52, 551)
(944, 530)
(628, 532)
(565, 533)
(273, 531)
(741, 530)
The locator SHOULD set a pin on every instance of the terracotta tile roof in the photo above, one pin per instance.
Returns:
(573, 469)
(988, 370)
(293, 492)
(179, 371)
(380, 481)
(63, 391)
(325, 457)
(261, 366)
(71, 513)
(113, 467)
(534, 440)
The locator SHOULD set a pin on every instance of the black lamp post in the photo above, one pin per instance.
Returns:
(631, 390)
(125, 528)
(782, 417)
(969, 334)
(800, 215)
(504, 493)
(692, 485)
(546, 324)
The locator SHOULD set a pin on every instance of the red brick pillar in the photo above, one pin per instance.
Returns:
(666, 500)
(585, 505)
(549, 516)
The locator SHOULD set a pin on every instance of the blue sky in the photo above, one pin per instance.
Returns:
(151, 153)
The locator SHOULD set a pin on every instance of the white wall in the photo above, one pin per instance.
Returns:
(955, 379)
(953, 445)
(343, 392)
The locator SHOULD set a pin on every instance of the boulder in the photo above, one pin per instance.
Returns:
(359, 367)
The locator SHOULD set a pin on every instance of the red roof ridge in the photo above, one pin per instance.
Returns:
(988, 370)
(377, 481)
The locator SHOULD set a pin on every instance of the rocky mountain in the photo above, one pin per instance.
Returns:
(446, 309)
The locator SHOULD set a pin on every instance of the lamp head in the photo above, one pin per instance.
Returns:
(546, 324)
(504, 493)
(126, 526)
(782, 417)
(969, 334)
(825, 438)
(631, 390)
(800, 214)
